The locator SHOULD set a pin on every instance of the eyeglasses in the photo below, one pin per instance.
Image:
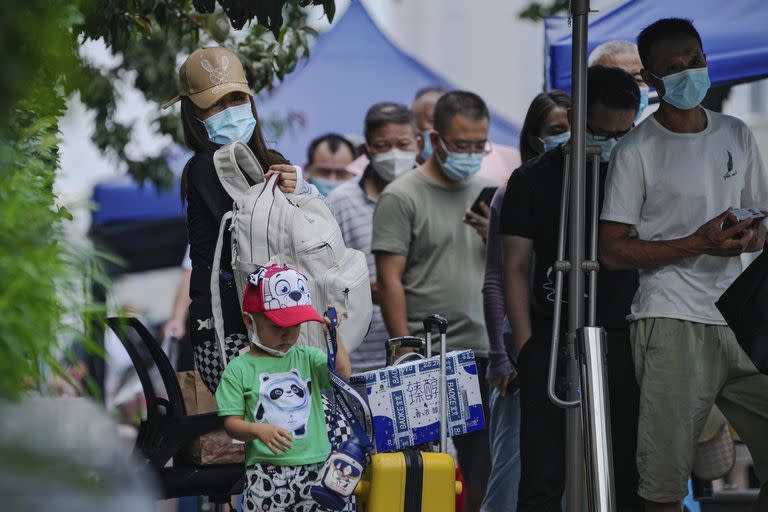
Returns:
(606, 136)
(466, 146)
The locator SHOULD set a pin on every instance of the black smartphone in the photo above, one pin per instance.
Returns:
(485, 196)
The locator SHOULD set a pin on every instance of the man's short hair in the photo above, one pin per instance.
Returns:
(661, 30)
(465, 103)
(386, 112)
(436, 89)
(615, 47)
(612, 87)
(334, 141)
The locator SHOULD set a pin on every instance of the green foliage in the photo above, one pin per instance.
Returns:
(45, 292)
(149, 36)
(32, 256)
(537, 11)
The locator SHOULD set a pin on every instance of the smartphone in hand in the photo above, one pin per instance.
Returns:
(741, 215)
(485, 196)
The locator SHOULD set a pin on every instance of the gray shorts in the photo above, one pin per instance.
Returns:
(682, 368)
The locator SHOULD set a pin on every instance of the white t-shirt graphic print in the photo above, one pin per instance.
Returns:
(667, 185)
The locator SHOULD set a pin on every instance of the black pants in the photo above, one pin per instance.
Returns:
(542, 425)
(474, 449)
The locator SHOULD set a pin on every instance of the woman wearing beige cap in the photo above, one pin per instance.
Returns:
(217, 108)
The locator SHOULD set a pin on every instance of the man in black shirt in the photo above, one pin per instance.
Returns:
(529, 222)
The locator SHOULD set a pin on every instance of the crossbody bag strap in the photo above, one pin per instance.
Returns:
(364, 432)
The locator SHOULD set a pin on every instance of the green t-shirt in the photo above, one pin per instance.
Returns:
(283, 391)
(445, 265)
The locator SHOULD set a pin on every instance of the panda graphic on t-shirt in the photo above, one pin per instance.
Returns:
(284, 400)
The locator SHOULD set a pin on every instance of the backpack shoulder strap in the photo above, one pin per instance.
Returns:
(218, 317)
(233, 162)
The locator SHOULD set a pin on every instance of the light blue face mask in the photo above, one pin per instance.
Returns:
(553, 141)
(426, 151)
(686, 89)
(324, 186)
(460, 166)
(231, 124)
(643, 103)
(606, 145)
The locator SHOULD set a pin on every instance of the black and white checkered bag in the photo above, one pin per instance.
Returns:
(339, 429)
(208, 361)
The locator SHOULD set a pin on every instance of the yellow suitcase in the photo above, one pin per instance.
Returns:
(412, 480)
(409, 481)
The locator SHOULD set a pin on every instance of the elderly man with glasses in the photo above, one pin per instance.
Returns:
(429, 260)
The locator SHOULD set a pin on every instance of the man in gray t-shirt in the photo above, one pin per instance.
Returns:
(430, 261)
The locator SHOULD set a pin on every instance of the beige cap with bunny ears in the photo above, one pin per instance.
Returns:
(209, 74)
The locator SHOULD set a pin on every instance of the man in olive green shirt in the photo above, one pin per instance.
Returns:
(429, 256)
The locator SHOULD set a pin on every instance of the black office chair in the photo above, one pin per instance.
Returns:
(167, 430)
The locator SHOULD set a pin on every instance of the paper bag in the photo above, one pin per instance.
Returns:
(215, 447)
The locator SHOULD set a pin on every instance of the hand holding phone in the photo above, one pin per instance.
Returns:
(742, 214)
(485, 196)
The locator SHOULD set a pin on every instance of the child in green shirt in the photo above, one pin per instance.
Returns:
(270, 397)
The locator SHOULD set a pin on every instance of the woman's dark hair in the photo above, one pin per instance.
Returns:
(196, 139)
(537, 114)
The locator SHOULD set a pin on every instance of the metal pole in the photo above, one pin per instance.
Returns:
(562, 266)
(591, 267)
(574, 480)
(595, 407)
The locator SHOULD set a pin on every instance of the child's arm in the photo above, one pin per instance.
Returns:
(343, 366)
(274, 437)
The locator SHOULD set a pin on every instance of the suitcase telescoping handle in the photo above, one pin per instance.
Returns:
(442, 326)
(393, 344)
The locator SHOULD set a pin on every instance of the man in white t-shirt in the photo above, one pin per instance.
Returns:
(668, 176)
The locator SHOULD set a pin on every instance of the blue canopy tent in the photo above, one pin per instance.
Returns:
(351, 67)
(734, 35)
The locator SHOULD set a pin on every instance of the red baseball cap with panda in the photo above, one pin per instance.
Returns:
(282, 294)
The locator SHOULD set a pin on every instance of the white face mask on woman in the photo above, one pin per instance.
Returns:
(393, 163)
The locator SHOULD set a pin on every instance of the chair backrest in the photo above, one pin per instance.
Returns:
(173, 405)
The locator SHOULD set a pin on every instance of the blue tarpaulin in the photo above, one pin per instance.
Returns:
(122, 199)
(734, 34)
(351, 67)
(142, 224)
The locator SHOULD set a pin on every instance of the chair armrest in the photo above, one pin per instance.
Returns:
(166, 437)
(196, 425)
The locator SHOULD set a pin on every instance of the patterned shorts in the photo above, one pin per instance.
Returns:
(272, 488)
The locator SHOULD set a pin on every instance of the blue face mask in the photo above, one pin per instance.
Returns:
(460, 166)
(606, 145)
(553, 141)
(686, 89)
(324, 186)
(643, 103)
(231, 124)
(426, 151)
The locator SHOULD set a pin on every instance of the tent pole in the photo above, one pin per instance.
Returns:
(574, 435)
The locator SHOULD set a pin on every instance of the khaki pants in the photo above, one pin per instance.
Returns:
(682, 368)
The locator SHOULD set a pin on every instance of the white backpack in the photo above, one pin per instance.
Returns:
(268, 226)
